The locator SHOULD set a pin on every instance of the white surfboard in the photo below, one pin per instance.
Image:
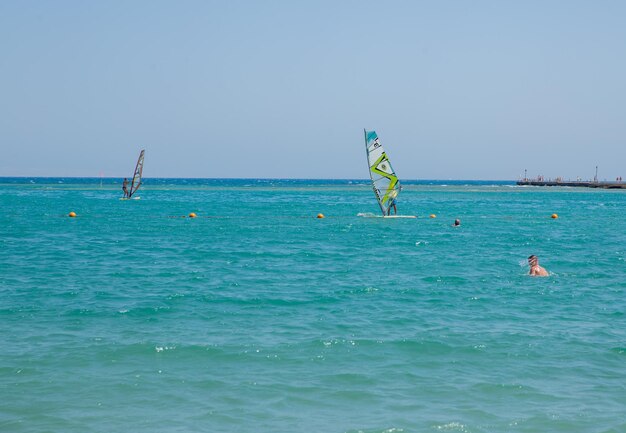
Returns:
(371, 215)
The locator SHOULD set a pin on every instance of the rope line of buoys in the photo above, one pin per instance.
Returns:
(320, 215)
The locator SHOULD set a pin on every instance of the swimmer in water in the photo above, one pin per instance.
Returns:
(535, 269)
(457, 222)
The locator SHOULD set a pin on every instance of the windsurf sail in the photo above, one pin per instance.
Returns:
(384, 180)
(136, 183)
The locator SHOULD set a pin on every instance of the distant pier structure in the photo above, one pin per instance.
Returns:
(587, 184)
(540, 181)
(595, 183)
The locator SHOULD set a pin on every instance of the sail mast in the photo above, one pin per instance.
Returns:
(369, 162)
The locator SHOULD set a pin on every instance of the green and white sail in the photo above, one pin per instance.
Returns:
(384, 180)
(136, 183)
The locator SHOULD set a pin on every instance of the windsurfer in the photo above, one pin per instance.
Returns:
(392, 203)
(125, 187)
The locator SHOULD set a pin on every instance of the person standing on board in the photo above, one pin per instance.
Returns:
(125, 187)
(392, 203)
(535, 269)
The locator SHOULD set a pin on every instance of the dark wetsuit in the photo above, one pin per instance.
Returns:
(392, 205)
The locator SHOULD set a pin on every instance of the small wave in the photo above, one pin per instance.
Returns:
(368, 289)
(163, 348)
(452, 426)
(145, 311)
(387, 430)
(334, 342)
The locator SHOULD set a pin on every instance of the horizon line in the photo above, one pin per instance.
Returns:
(251, 178)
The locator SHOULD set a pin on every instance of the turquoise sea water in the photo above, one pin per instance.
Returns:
(257, 317)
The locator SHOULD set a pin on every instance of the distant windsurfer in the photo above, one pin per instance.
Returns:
(125, 187)
(535, 269)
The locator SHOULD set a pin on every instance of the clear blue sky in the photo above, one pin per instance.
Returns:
(455, 89)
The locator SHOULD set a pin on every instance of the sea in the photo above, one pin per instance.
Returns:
(258, 316)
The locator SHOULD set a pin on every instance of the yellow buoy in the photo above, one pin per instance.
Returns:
(72, 214)
(432, 215)
(192, 215)
(554, 216)
(320, 215)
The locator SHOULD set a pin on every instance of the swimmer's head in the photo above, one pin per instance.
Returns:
(532, 260)
(457, 222)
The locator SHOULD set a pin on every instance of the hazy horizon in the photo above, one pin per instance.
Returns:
(405, 180)
(249, 178)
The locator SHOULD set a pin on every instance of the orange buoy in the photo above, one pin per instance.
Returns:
(192, 215)
(320, 215)
(554, 216)
(72, 214)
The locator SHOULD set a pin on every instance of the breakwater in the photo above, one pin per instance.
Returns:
(586, 184)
